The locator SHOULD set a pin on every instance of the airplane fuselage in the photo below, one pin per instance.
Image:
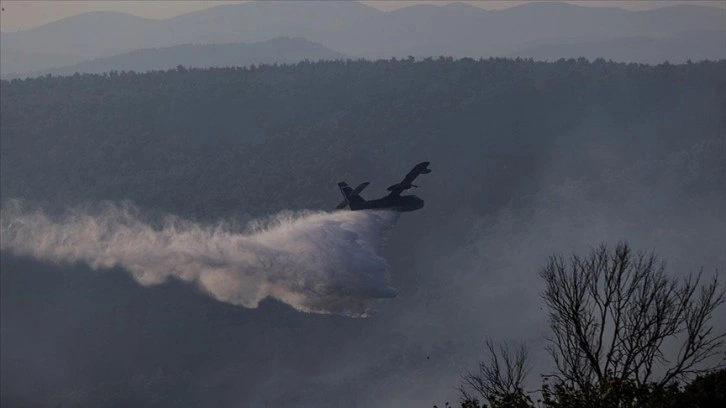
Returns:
(394, 201)
(400, 204)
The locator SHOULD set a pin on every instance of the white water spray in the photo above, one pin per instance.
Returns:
(313, 261)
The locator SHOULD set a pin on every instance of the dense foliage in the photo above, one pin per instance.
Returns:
(703, 392)
(159, 138)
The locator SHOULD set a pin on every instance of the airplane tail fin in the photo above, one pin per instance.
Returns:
(357, 191)
(355, 202)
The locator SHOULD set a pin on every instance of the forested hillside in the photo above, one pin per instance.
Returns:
(217, 141)
(528, 158)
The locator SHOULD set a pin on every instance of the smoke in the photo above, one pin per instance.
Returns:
(313, 261)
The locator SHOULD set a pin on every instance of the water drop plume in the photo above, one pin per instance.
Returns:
(313, 261)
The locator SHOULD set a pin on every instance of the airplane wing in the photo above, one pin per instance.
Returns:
(405, 184)
(357, 191)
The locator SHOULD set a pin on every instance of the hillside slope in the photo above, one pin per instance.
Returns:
(528, 158)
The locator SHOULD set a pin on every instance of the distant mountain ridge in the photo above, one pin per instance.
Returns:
(278, 50)
(351, 28)
(690, 45)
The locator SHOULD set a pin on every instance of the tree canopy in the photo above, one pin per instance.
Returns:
(159, 138)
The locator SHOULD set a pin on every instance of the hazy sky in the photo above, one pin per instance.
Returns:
(20, 15)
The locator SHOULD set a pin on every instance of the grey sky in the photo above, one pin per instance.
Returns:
(25, 14)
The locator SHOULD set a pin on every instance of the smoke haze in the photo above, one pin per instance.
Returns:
(313, 261)
(530, 159)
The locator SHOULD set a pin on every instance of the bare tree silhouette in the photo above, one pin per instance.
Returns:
(613, 312)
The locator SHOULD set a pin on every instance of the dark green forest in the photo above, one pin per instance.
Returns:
(528, 158)
(211, 142)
